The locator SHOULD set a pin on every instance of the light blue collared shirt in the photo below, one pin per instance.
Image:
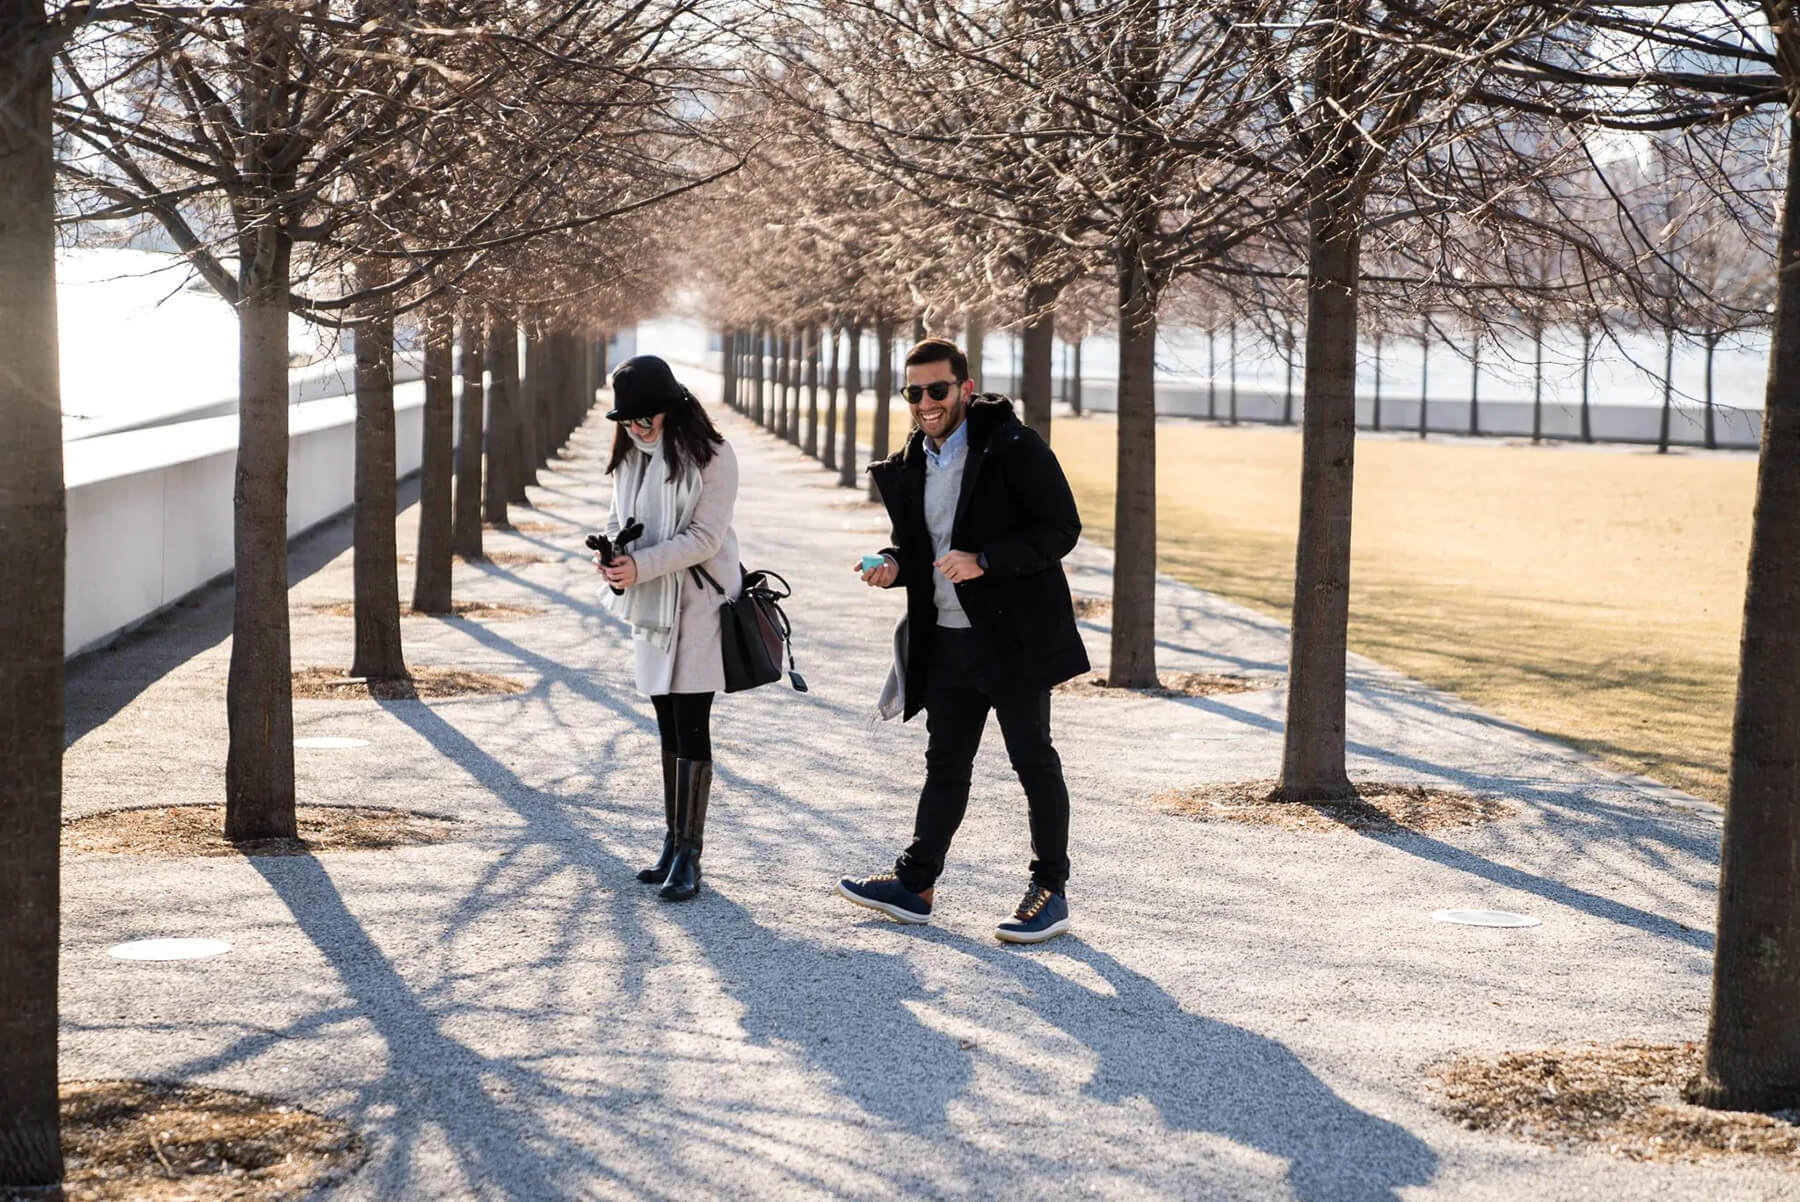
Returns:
(953, 445)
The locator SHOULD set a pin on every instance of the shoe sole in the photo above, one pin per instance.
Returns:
(1049, 932)
(892, 911)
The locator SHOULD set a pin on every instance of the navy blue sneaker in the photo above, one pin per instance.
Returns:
(1042, 915)
(884, 892)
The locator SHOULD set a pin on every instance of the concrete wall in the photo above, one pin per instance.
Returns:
(150, 511)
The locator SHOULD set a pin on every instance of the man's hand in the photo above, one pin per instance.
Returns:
(960, 566)
(622, 573)
(881, 577)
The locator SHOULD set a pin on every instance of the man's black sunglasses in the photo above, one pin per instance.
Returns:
(939, 389)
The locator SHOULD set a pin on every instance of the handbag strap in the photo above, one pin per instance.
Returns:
(701, 573)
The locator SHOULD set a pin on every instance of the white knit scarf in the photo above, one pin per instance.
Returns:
(666, 507)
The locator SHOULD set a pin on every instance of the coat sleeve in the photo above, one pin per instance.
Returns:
(1052, 524)
(705, 534)
(893, 505)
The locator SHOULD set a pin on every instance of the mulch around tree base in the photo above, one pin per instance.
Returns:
(1173, 684)
(489, 610)
(174, 832)
(1625, 1099)
(335, 684)
(157, 1141)
(1378, 808)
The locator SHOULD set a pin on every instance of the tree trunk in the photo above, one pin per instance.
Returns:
(778, 391)
(1424, 373)
(259, 701)
(1712, 438)
(555, 413)
(1212, 373)
(1075, 382)
(796, 371)
(728, 367)
(536, 386)
(1375, 413)
(431, 577)
(852, 393)
(760, 376)
(1231, 392)
(33, 547)
(503, 418)
(975, 337)
(811, 446)
(1475, 385)
(467, 532)
(1312, 760)
(1537, 381)
(1134, 516)
(1287, 354)
(1753, 1037)
(884, 389)
(1035, 394)
(1668, 397)
(1587, 429)
(828, 448)
(374, 567)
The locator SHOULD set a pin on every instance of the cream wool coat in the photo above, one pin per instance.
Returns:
(708, 541)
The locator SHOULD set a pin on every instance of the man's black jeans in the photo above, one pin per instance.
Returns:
(957, 701)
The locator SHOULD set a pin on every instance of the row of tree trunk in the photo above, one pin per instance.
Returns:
(773, 376)
(511, 422)
(768, 370)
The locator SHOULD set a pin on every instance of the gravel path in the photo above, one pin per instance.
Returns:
(1243, 1013)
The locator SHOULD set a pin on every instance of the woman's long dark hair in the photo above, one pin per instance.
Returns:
(688, 436)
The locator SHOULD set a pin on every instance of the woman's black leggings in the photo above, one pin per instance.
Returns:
(685, 722)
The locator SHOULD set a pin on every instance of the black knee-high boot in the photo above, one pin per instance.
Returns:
(693, 787)
(658, 872)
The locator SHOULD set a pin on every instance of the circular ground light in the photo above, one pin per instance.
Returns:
(169, 949)
(1485, 918)
(330, 742)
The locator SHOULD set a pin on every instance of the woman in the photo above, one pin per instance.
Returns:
(675, 473)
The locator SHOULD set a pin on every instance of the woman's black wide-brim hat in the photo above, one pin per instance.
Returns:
(643, 386)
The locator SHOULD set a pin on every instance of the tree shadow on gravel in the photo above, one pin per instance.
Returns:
(1581, 822)
(843, 1010)
(1204, 1075)
(433, 1080)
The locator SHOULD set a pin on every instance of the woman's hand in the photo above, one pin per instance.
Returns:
(622, 573)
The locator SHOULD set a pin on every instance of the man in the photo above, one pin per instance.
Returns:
(982, 517)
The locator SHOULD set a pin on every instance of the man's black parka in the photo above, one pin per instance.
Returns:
(1016, 511)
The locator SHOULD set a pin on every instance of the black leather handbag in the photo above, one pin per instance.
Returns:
(753, 631)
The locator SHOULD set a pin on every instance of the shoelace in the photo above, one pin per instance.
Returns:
(1034, 901)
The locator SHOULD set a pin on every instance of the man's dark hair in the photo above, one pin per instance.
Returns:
(688, 436)
(939, 350)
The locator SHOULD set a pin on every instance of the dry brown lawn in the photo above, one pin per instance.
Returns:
(1594, 594)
